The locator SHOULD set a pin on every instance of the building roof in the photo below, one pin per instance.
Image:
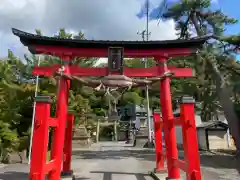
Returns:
(29, 39)
(213, 125)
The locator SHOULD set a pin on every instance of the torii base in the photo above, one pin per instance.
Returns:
(69, 173)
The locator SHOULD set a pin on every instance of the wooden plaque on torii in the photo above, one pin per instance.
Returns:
(115, 59)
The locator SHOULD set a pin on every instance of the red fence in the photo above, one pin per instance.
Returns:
(39, 167)
(191, 162)
(61, 152)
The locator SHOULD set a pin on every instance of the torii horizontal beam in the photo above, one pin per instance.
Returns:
(128, 53)
(76, 70)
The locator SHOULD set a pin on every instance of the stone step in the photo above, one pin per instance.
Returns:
(81, 138)
(80, 131)
(142, 132)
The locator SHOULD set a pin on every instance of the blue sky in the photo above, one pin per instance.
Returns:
(28, 15)
(230, 8)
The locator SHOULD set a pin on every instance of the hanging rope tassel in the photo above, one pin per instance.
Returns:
(99, 87)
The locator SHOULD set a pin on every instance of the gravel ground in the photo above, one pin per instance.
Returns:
(116, 161)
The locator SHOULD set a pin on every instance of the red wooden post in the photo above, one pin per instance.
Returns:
(68, 147)
(40, 138)
(59, 131)
(168, 124)
(67, 150)
(158, 143)
(190, 140)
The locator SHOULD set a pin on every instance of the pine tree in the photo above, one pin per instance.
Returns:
(195, 17)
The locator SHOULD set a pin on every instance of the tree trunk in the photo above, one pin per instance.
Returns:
(224, 95)
(223, 92)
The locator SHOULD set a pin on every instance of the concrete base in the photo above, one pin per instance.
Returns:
(67, 175)
(68, 178)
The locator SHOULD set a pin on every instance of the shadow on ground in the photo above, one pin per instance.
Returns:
(81, 178)
(148, 155)
(220, 161)
(207, 159)
(108, 175)
(13, 175)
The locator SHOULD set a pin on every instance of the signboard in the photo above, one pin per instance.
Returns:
(115, 59)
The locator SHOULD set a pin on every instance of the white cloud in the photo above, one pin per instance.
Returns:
(108, 19)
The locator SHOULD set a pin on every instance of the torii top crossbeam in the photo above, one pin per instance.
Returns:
(90, 48)
(114, 50)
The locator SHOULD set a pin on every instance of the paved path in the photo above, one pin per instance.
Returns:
(113, 161)
(116, 161)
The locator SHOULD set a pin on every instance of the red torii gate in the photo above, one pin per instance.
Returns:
(66, 49)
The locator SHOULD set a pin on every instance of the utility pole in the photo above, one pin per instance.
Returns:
(145, 33)
(147, 15)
